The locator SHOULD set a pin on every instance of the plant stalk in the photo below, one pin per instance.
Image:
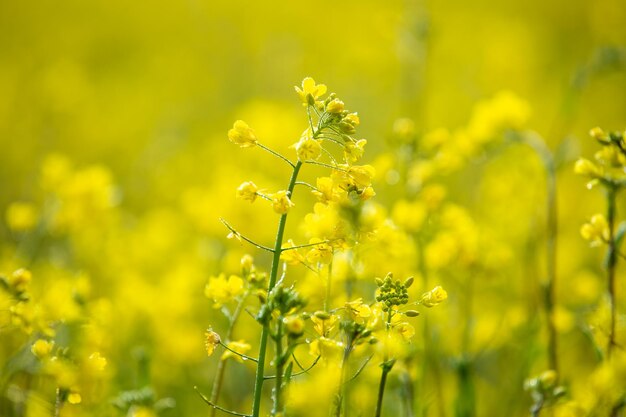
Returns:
(258, 382)
(611, 263)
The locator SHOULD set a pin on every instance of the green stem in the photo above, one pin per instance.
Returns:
(258, 383)
(221, 366)
(540, 148)
(611, 262)
(280, 362)
(381, 391)
(341, 391)
(386, 367)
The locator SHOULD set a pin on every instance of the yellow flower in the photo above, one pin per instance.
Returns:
(222, 290)
(247, 191)
(310, 91)
(97, 362)
(335, 106)
(281, 202)
(322, 253)
(358, 310)
(74, 397)
(42, 348)
(323, 323)
(353, 119)
(308, 148)
(325, 347)
(20, 279)
(433, 297)
(325, 190)
(292, 256)
(239, 347)
(404, 329)
(241, 134)
(353, 151)
(596, 230)
(598, 134)
(21, 217)
(294, 325)
(211, 341)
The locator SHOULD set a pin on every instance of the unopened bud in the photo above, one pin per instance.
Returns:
(408, 282)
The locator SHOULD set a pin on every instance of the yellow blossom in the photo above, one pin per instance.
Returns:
(326, 348)
(404, 329)
(97, 362)
(322, 252)
(353, 119)
(241, 134)
(325, 190)
(20, 279)
(596, 230)
(353, 151)
(310, 91)
(281, 202)
(291, 256)
(433, 297)
(294, 325)
(323, 324)
(223, 290)
(598, 134)
(247, 191)
(358, 309)
(308, 148)
(211, 341)
(239, 347)
(335, 106)
(74, 397)
(42, 348)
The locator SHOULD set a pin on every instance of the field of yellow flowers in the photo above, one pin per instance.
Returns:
(349, 209)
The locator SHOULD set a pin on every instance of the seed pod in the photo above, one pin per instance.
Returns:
(322, 315)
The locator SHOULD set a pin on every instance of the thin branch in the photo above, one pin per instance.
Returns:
(303, 371)
(322, 164)
(245, 357)
(306, 184)
(308, 245)
(236, 233)
(276, 154)
(217, 407)
(359, 370)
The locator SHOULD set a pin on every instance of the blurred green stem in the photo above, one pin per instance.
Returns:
(548, 286)
(280, 369)
(386, 368)
(611, 262)
(258, 383)
(221, 366)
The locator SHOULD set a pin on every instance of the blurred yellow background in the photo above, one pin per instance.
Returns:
(115, 166)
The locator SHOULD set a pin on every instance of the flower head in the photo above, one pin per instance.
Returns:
(247, 191)
(308, 148)
(310, 91)
(42, 348)
(281, 202)
(433, 297)
(211, 341)
(241, 134)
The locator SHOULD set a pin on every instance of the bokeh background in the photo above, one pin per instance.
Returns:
(115, 168)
